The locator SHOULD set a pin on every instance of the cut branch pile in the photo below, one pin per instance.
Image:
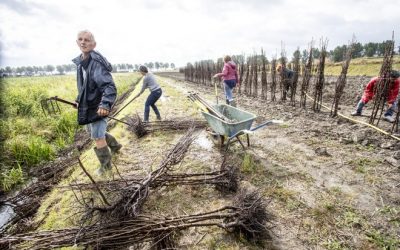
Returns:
(383, 86)
(248, 217)
(225, 180)
(134, 195)
(141, 128)
(341, 81)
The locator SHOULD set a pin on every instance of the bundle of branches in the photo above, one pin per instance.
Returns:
(254, 91)
(296, 69)
(134, 195)
(306, 77)
(383, 86)
(181, 123)
(26, 202)
(341, 81)
(225, 180)
(273, 79)
(264, 82)
(248, 216)
(283, 80)
(320, 81)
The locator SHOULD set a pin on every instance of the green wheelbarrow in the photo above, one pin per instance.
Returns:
(237, 122)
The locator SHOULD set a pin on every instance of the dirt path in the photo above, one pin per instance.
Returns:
(331, 184)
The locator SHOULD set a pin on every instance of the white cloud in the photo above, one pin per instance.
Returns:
(39, 32)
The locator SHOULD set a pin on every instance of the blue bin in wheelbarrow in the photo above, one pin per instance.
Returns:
(236, 123)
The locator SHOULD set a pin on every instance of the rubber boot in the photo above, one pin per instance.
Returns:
(112, 143)
(104, 156)
(359, 108)
(159, 117)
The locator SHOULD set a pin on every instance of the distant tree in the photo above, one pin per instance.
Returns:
(382, 47)
(151, 65)
(304, 56)
(296, 54)
(136, 67)
(29, 70)
(50, 68)
(173, 65)
(60, 69)
(157, 65)
(315, 53)
(161, 65)
(166, 65)
(370, 49)
(8, 70)
(338, 53)
(357, 50)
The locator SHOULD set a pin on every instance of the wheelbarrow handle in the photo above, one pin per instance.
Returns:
(271, 122)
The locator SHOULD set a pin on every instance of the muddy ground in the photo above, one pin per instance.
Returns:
(331, 183)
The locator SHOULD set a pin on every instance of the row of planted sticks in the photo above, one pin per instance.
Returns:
(117, 220)
(258, 77)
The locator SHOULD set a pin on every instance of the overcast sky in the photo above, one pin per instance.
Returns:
(40, 32)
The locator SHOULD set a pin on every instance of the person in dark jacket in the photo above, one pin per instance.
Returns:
(229, 75)
(287, 75)
(149, 81)
(96, 96)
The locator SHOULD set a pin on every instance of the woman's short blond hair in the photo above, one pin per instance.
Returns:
(278, 67)
(227, 58)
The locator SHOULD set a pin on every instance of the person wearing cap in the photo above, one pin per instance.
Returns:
(149, 81)
(96, 95)
(230, 77)
(391, 98)
(287, 75)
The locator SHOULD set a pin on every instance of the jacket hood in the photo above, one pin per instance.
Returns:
(95, 55)
(232, 64)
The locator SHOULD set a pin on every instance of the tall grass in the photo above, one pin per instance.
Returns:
(30, 137)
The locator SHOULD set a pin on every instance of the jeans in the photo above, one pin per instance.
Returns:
(228, 86)
(97, 129)
(151, 100)
(392, 109)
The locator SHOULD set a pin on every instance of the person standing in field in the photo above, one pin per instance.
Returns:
(369, 93)
(149, 81)
(229, 75)
(96, 95)
(287, 76)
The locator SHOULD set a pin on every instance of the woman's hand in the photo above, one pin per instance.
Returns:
(215, 76)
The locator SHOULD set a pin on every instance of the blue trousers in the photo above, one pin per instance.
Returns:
(151, 101)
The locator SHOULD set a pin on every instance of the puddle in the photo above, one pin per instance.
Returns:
(6, 214)
(204, 141)
(165, 98)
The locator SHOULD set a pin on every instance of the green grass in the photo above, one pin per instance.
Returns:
(369, 66)
(31, 137)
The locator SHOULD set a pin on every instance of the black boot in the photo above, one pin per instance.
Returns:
(112, 143)
(104, 156)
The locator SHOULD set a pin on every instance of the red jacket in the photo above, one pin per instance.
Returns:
(369, 90)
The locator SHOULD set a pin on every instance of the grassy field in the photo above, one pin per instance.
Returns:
(29, 136)
(369, 66)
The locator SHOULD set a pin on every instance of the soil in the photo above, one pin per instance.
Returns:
(331, 183)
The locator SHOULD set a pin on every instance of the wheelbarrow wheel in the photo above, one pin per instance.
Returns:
(217, 138)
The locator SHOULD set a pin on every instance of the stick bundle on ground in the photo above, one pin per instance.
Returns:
(248, 216)
(141, 128)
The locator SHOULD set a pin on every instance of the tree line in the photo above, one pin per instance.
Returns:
(359, 50)
(65, 68)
